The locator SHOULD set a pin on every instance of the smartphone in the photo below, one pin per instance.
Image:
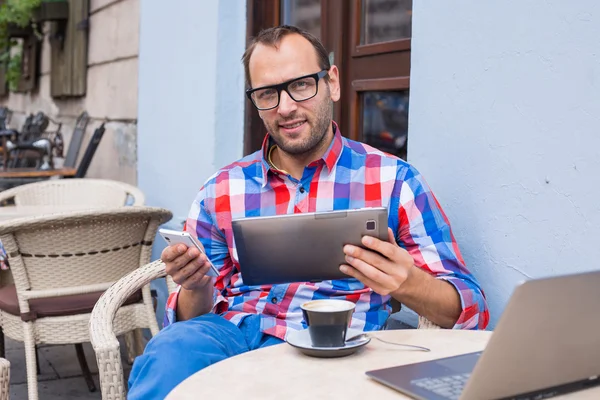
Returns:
(175, 237)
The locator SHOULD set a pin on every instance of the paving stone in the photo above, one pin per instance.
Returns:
(63, 359)
(18, 371)
(61, 376)
(10, 344)
(70, 388)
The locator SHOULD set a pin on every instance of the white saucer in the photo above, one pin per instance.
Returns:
(301, 341)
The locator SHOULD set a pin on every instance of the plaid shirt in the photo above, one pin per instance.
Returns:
(349, 175)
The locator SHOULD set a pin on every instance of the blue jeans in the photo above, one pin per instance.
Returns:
(183, 348)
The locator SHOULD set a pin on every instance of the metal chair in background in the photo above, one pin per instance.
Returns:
(70, 169)
(27, 148)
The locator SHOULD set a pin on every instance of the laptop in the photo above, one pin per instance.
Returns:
(305, 247)
(546, 343)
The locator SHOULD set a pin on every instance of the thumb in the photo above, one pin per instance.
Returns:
(391, 236)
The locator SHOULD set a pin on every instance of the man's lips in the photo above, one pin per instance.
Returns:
(292, 124)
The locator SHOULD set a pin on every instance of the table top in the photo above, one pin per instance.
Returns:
(13, 212)
(281, 371)
(36, 173)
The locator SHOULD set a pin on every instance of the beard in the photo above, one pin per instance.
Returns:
(318, 127)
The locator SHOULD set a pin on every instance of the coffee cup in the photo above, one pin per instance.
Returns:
(328, 321)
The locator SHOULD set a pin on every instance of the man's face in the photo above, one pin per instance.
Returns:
(296, 127)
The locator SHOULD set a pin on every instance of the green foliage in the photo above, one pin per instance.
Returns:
(13, 70)
(14, 13)
(18, 11)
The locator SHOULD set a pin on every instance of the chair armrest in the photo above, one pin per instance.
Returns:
(424, 323)
(9, 193)
(26, 146)
(8, 132)
(171, 285)
(4, 378)
(102, 335)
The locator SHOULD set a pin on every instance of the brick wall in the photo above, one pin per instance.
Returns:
(111, 90)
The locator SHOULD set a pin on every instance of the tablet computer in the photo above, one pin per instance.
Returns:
(304, 247)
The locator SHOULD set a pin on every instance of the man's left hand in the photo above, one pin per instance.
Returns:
(382, 266)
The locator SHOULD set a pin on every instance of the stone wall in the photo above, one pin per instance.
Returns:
(111, 94)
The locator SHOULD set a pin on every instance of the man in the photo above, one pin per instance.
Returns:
(305, 165)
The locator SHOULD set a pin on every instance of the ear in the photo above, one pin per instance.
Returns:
(334, 83)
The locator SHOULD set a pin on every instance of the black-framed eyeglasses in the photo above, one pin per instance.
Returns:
(299, 89)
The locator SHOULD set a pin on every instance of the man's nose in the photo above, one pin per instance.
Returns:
(287, 105)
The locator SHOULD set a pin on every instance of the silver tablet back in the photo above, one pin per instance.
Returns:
(302, 247)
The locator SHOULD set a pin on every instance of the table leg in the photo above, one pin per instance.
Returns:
(4, 153)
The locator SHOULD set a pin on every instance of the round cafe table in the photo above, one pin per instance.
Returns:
(282, 372)
(8, 213)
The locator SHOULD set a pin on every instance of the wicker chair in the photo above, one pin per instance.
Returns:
(91, 192)
(4, 378)
(423, 323)
(103, 331)
(62, 263)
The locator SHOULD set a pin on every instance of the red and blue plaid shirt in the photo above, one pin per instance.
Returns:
(349, 175)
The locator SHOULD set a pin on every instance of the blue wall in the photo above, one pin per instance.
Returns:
(191, 99)
(190, 123)
(504, 117)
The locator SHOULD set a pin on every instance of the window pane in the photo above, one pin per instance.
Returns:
(385, 121)
(305, 14)
(385, 20)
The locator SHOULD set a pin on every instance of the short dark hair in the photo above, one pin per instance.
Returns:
(273, 36)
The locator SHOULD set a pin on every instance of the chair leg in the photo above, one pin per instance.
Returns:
(139, 340)
(37, 361)
(30, 361)
(130, 346)
(87, 375)
(2, 349)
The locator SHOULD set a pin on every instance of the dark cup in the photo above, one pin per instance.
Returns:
(328, 321)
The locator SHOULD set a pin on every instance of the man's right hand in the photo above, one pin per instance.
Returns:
(187, 266)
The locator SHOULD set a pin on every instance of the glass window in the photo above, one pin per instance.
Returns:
(385, 121)
(385, 20)
(305, 14)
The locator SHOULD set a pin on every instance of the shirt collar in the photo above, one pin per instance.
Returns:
(330, 158)
(334, 151)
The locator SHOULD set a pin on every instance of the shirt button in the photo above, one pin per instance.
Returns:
(302, 189)
(274, 300)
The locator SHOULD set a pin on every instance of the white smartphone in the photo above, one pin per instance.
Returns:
(176, 237)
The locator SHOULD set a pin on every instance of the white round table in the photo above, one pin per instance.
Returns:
(8, 213)
(282, 372)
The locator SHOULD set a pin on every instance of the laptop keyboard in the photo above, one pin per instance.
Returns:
(450, 386)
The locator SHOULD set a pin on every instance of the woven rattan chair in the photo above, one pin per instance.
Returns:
(423, 323)
(62, 263)
(4, 378)
(64, 192)
(103, 332)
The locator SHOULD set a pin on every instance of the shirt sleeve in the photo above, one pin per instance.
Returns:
(201, 222)
(424, 231)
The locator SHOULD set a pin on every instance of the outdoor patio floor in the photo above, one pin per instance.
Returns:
(60, 376)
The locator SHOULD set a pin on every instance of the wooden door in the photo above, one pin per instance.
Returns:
(369, 40)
